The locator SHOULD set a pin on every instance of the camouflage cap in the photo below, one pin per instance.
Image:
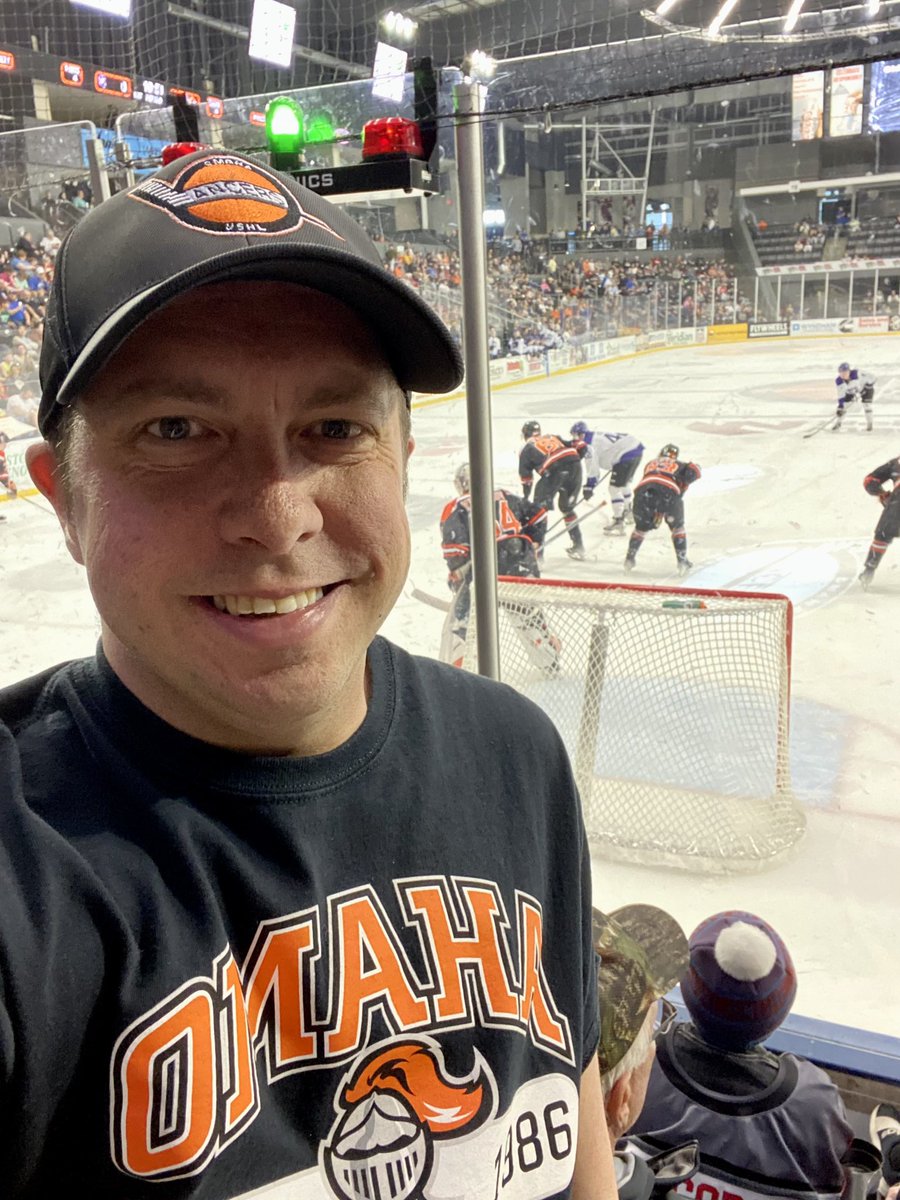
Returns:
(643, 954)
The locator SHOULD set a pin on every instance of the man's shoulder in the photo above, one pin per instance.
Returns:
(28, 700)
(473, 698)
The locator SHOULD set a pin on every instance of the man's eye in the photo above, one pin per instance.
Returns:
(338, 429)
(173, 429)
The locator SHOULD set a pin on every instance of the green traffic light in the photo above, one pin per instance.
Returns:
(284, 127)
(319, 128)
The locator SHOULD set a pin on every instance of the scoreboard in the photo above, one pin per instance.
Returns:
(89, 77)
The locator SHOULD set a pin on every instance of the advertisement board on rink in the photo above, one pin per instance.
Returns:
(15, 454)
(768, 329)
(832, 325)
(718, 335)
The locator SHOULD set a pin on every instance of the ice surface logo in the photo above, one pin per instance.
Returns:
(222, 194)
(392, 1105)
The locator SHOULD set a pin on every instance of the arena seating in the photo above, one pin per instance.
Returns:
(782, 244)
(878, 238)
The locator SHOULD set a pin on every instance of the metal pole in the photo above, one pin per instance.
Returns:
(802, 295)
(756, 299)
(469, 100)
(97, 169)
(875, 295)
(647, 168)
(584, 171)
(778, 314)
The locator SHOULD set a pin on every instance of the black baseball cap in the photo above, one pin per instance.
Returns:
(213, 217)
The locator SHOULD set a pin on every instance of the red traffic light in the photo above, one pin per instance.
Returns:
(179, 150)
(392, 136)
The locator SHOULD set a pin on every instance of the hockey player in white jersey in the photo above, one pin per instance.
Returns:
(852, 385)
(619, 456)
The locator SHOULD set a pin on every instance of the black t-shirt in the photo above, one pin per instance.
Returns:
(360, 974)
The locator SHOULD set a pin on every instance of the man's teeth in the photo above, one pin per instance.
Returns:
(258, 606)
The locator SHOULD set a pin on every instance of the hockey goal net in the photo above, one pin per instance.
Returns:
(673, 704)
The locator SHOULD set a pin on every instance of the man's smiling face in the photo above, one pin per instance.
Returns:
(244, 451)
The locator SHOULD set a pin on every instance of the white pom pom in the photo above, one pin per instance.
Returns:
(745, 952)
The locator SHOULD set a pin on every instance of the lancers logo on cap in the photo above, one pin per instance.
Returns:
(223, 194)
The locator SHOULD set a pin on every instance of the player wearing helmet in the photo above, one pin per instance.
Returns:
(558, 466)
(659, 497)
(852, 385)
(617, 455)
(519, 526)
(888, 526)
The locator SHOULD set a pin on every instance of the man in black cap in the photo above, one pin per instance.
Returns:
(277, 919)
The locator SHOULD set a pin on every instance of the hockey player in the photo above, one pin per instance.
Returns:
(853, 384)
(618, 455)
(558, 463)
(659, 497)
(889, 522)
(519, 526)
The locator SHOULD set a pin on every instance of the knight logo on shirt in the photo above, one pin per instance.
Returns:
(392, 1105)
(221, 194)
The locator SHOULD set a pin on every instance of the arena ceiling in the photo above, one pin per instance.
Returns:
(552, 53)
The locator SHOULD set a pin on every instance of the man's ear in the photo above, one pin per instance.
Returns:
(47, 476)
(618, 1106)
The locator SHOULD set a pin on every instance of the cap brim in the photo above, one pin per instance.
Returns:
(662, 940)
(415, 342)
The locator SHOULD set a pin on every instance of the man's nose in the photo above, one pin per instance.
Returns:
(272, 502)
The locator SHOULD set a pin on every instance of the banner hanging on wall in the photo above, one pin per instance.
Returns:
(807, 106)
(845, 116)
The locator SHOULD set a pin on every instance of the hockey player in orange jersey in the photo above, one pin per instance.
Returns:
(659, 497)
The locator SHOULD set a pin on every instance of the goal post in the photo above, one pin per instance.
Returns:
(674, 707)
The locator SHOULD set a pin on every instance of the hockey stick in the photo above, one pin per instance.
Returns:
(568, 528)
(425, 597)
(556, 524)
(818, 429)
(832, 422)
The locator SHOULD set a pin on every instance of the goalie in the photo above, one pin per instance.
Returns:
(519, 526)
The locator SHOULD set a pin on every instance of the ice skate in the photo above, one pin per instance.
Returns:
(576, 552)
(616, 527)
(629, 562)
(866, 575)
(684, 565)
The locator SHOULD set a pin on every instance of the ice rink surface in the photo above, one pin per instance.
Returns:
(773, 512)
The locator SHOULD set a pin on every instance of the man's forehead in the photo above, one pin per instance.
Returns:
(257, 317)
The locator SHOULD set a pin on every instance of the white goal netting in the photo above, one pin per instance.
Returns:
(673, 705)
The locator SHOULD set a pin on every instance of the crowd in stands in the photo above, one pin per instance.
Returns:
(539, 302)
(26, 272)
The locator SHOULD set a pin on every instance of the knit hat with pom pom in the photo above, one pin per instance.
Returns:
(741, 980)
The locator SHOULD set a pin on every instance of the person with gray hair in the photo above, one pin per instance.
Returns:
(642, 954)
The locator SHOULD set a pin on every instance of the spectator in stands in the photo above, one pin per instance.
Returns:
(643, 953)
(757, 1114)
